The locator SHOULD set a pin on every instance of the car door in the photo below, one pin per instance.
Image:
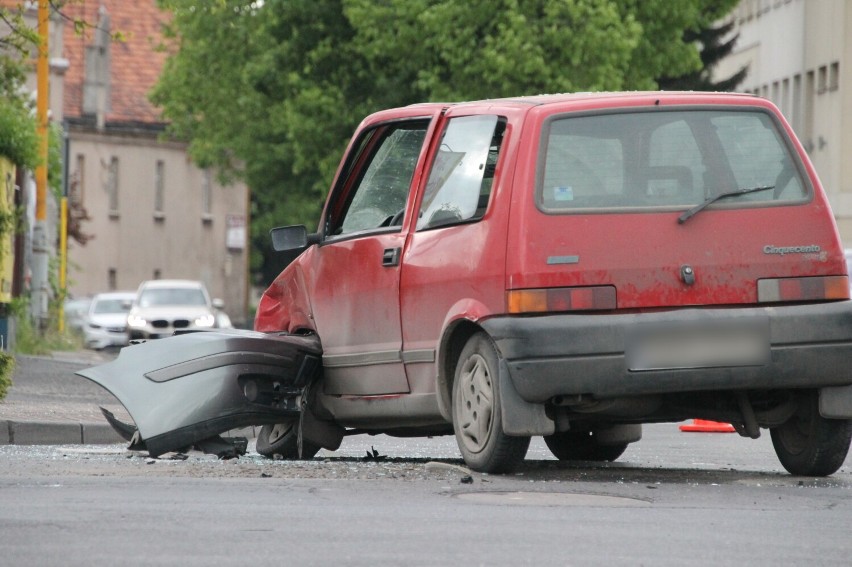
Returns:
(356, 269)
(454, 263)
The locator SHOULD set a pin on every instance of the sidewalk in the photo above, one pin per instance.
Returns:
(49, 405)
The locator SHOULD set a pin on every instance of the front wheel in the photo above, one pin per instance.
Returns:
(282, 439)
(808, 444)
(477, 422)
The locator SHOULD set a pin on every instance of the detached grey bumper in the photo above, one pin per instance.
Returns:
(190, 387)
(805, 346)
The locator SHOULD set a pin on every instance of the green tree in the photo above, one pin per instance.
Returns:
(713, 47)
(271, 91)
(265, 93)
(18, 141)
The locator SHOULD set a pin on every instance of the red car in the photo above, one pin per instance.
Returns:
(570, 266)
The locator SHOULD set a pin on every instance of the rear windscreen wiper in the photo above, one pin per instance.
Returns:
(686, 215)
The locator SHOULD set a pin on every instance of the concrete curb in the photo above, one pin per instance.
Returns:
(56, 433)
(70, 433)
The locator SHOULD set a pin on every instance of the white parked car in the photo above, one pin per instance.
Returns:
(106, 320)
(76, 311)
(165, 306)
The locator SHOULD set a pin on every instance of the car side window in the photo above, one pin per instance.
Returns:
(381, 168)
(459, 184)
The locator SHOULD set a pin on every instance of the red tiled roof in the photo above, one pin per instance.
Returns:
(135, 63)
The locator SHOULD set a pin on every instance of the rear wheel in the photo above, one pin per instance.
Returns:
(810, 445)
(582, 446)
(477, 421)
(282, 439)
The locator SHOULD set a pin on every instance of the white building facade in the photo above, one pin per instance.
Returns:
(798, 54)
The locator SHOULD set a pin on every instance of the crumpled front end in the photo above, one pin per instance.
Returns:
(190, 387)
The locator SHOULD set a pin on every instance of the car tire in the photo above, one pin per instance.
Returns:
(810, 445)
(282, 439)
(477, 421)
(582, 446)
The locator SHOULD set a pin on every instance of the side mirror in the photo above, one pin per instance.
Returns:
(288, 238)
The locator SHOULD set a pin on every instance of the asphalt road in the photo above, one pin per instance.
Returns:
(674, 498)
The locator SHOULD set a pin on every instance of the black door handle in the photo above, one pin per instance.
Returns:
(390, 257)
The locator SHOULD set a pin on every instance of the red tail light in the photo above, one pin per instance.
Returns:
(802, 289)
(594, 298)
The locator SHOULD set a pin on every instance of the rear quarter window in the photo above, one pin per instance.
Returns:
(665, 159)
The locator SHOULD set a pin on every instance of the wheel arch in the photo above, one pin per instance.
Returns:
(453, 340)
(520, 417)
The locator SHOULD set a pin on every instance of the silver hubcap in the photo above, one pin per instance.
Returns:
(476, 406)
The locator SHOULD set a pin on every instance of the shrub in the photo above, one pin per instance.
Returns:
(7, 366)
(19, 142)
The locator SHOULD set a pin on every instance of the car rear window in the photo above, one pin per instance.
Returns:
(665, 158)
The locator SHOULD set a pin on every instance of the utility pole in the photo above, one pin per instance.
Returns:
(40, 287)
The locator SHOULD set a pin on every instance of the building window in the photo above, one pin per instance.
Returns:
(78, 181)
(822, 80)
(207, 196)
(112, 279)
(157, 274)
(834, 77)
(808, 111)
(112, 186)
(785, 98)
(797, 104)
(159, 189)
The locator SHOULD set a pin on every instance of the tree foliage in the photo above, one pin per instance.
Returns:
(714, 45)
(271, 91)
(18, 141)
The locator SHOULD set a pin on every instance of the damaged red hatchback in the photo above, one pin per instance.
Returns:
(570, 266)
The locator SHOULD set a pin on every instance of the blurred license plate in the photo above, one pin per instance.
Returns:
(698, 347)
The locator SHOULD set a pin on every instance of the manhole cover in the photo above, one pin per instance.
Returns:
(552, 499)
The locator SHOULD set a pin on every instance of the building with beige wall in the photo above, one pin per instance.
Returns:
(148, 210)
(798, 54)
(152, 215)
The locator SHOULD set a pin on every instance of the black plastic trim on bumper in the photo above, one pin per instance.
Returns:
(810, 346)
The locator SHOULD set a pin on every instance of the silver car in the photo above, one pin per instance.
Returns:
(165, 306)
(106, 321)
